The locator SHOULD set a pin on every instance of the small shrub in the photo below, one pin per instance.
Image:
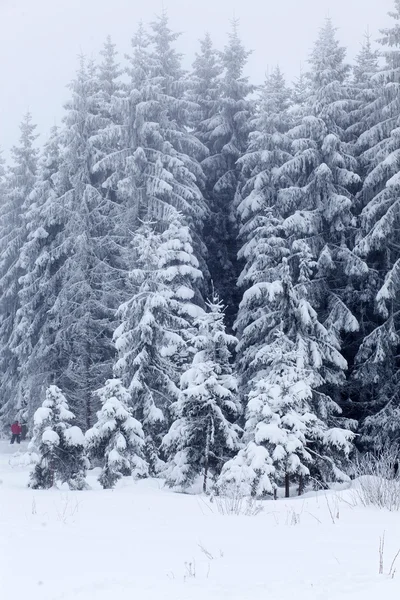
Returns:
(236, 503)
(378, 479)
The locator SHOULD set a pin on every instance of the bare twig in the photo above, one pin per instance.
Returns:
(392, 571)
(381, 553)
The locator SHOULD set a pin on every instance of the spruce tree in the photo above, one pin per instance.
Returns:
(205, 90)
(58, 444)
(203, 435)
(226, 134)
(72, 251)
(376, 368)
(293, 426)
(317, 205)
(29, 340)
(19, 184)
(157, 166)
(153, 340)
(261, 232)
(116, 438)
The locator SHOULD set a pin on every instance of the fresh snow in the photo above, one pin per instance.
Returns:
(50, 437)
(143, 541)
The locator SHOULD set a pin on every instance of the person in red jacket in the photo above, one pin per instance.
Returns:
(16, 432)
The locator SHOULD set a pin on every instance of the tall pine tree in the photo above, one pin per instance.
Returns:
(377, 360)
(20, 181)
(225, 133)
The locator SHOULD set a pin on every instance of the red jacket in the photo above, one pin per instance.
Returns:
(16, 429)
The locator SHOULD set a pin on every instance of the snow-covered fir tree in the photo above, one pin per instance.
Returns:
(159, 181)
(261, 233)
(72, 242)
(29, 341)
(108, 75)
(294, 428)
(366, 92)
(225, 133)
(204, 435)
(19, 184)
(360, 299)
(300, 93)
(205, 90)
(318, 204)
(366, 62)
(153, 340)
(116, 439)
(157, 165)
(377, 364)
(59, 445)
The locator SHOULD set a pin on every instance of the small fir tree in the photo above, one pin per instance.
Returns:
(204, 435)
(58, 444)
(293, 425)
(116, 438)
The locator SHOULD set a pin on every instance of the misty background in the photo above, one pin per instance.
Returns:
(41, 39)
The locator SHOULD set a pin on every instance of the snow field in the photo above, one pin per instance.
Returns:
(143, 541)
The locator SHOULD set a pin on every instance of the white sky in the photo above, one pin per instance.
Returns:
(40, 40)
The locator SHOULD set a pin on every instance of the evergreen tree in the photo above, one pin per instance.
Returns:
(59, 445)
(204, 435)
(108, 75)
(376, 369)
(226, 133)
(261, 221)
(116, 438)
(300, 94)
(293, 426)
(20, 181)
(295, 212)
(317, 205)
(76, 289)
(153, 340)
(205, 90)
(158, 164)
(28, 341)
(367, 63)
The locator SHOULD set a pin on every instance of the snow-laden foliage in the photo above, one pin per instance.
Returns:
(153, 340)
(366, 93)
(34, 298)
(58, 444)
(293, 425)
(204, 435)
(317, 205)
(225, 133)
(19, 182)
(116, 439)
(155, 164)
(205, 89)
(161, 185)
(71, 289)
(261, 223)
(377, 366)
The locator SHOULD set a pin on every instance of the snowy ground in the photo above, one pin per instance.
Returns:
(144, 542)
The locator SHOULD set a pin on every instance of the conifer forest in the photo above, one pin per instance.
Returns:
(200, 274)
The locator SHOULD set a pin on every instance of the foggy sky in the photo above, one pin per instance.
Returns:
(40, 40)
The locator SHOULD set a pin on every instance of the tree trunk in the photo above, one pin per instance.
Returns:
(206, 457)
(287, 485)
(301, 485)
(88, 394)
